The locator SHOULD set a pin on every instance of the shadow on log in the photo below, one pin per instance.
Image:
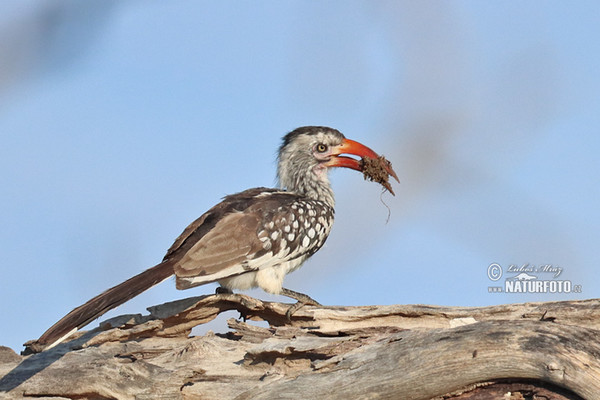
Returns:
(550, 350)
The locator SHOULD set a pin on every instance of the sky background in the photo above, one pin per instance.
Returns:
(122, 122)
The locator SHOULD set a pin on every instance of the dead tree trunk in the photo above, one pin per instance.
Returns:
(390, 352)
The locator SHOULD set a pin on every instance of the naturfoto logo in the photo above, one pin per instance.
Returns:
(529, 278)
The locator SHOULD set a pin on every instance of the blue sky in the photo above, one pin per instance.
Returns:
(121, 122)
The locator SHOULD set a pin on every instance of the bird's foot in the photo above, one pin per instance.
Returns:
(223, 290)
(302, 300)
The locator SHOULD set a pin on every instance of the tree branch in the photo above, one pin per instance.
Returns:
(398, 351)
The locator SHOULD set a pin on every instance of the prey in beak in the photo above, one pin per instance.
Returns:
(373, 166)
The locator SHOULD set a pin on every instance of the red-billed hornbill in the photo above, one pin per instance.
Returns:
(250, 239)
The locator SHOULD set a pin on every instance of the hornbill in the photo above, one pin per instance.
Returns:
(250, 239)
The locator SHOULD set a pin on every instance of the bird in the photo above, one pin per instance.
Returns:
(250, 239)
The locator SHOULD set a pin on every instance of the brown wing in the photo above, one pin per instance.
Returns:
(186, 233)
(207, 221)
(225, 241)
(222, 250)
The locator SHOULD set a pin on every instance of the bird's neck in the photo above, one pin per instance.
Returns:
(314, 185)
(315, 190)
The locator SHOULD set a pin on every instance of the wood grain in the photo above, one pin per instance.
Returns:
(384, 352)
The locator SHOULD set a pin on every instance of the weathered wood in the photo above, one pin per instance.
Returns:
(395, 352)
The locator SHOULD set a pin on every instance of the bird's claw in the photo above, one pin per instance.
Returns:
(302, 300)
(298, 305)
(223, 290)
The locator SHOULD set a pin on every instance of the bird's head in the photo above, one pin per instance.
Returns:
(307, 153)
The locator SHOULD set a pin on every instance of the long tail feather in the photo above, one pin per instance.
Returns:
(101, 304)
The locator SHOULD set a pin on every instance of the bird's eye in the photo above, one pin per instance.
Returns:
(321, 147)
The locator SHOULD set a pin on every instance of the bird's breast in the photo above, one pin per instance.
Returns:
(297, 230)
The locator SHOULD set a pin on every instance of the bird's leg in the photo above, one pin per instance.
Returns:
(302, 300)
(223, 290)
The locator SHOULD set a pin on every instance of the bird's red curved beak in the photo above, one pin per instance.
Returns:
(352, 147)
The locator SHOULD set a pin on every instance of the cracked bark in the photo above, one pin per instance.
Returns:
(520, 351)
